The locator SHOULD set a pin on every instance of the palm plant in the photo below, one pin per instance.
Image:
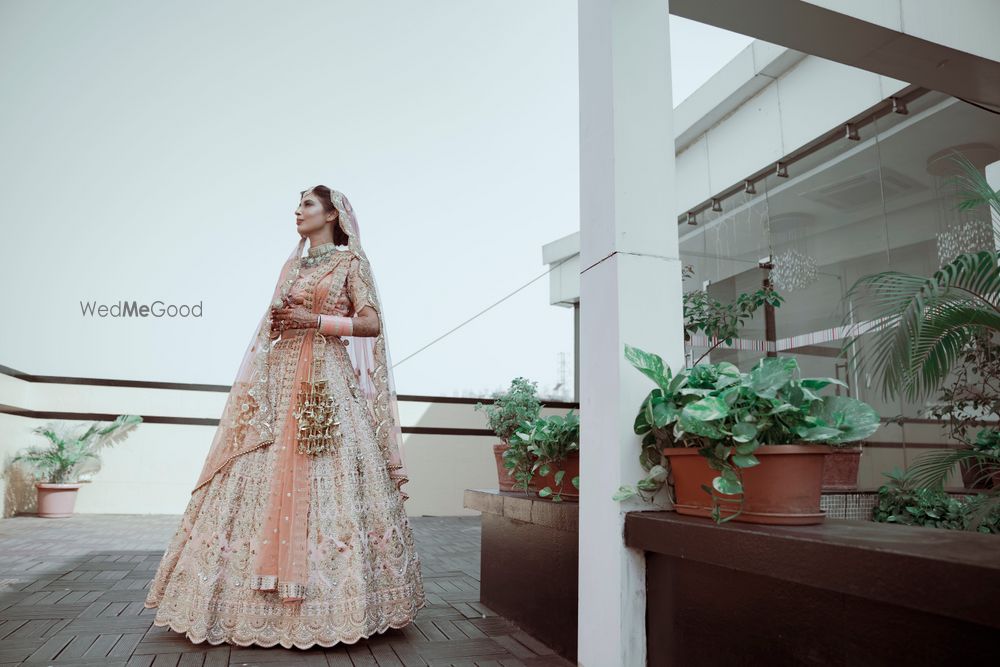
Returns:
(921, 327)
(68, 455)
(983, 455)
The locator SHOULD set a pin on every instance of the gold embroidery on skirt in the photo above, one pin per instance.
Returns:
(241, 421)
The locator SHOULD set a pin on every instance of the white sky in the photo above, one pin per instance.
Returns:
(156, 150)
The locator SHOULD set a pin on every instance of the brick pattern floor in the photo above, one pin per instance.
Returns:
(71, 593)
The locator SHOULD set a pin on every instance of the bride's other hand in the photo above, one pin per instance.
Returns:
(292, 316)
(342, 306)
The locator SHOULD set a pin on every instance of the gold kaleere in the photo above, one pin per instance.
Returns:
(317, 416)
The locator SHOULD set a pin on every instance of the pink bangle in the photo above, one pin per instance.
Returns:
(335, 325)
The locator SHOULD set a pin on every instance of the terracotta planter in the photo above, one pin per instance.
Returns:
(979, 475)
(840, 472)
(783, 489)
(56, 501)
(505, 482)
(572, 467)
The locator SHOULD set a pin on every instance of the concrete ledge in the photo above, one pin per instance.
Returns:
(523, 507)
(840, 593)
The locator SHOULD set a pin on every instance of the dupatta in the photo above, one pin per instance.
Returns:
(249, 421)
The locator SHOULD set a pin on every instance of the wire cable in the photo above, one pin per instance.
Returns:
(493, 305)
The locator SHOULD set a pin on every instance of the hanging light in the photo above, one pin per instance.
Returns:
(852, 132)
(792, 266)
(748, 187)
(899, 106)
(782, 170)
(691, 218)
(716, 205)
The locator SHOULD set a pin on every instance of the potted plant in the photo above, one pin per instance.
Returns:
(69, 459)
(550, 448)
(982, 471)
(978, 460)
(505, 414)
(722, 322)
(743, 446)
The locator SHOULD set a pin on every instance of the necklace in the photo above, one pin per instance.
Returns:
(318, 253)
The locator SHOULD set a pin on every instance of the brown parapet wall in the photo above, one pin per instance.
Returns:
(529, 563)
(840, 593)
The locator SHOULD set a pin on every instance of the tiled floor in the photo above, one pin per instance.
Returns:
(71, 593)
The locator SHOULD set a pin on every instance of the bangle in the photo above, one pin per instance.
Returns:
(336, 325)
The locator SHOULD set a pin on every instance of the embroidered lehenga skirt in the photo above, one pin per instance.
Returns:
(363, 569)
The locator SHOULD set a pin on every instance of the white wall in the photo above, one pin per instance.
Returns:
(155, 469)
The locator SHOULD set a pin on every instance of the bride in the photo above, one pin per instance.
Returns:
(295, 533)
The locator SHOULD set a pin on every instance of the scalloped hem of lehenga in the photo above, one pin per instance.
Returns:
(202, 639)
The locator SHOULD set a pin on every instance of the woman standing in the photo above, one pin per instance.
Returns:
(295, 533)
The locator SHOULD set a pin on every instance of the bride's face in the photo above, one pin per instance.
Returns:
(310, 216)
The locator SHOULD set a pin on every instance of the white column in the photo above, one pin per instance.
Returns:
(630, 292)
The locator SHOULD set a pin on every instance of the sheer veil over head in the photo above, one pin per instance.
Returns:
(249, 420)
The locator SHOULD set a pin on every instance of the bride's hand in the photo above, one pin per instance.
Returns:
(292, 316)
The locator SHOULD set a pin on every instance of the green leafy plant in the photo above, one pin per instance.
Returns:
(728, 414)
(902, 500)
(72, 454)
(924, 326)
(722, 321)
(540, 446)
(510, 408)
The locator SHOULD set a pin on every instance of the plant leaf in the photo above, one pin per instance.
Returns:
(706, 409)
(771, 374)
(649, 364)
(745, 461)
(744, 432)
(818, 383)
(854, 419)
(623, 493)
(729, 487)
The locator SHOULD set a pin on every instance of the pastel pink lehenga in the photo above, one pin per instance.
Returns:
(281, 545)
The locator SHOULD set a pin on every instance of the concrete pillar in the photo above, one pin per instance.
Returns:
(630, 292)
(576, 351)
